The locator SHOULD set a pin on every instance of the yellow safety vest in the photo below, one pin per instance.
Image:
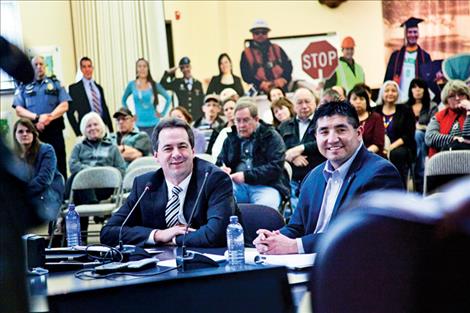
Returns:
(346, 78)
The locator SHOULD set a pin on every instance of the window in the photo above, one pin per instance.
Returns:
(11, 30)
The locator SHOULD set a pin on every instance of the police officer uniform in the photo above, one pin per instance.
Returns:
(42, 97)
(189, 92)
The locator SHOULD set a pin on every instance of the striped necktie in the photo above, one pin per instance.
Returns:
(173, 207)
(96, 102)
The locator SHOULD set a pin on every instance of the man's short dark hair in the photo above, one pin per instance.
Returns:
(337, 108)
(85, 59)
(171, 122)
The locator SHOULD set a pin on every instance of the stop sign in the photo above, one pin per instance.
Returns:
(320, 59)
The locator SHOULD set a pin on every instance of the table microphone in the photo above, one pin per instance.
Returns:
(189, 260)
(128, 249)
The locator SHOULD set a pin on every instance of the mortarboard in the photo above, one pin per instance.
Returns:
(411, 22)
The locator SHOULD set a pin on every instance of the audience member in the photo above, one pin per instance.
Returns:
(144, 91)
(253, 156)
(373, 134)
(330, 95)
(275, 93)
(369, 93)
(265, 64)
(44, 101)
(399, 124)
(348, 73)
(228, 108)
(350, 170)
(176, 186)
(132, 143)
(419, 100)
(450, 128)
(188, 89)
(282, 110)
(405, 64)
(225, 79)
(341, 92)
(39, 169)
(199, 139)
(299, 137)
(87, 96)
(210, 123)
(94, 150)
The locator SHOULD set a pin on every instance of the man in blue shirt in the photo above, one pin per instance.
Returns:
(45, 101)
(327, 190)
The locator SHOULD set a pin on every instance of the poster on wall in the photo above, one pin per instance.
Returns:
(313, 58)
(52, 59)
(443, 33)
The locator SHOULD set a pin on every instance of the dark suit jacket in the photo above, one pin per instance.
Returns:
(368, 172)
(81, 105)
(289, 131)
(211, 218)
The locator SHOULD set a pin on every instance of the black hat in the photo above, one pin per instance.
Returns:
(411, 22)
(184, 61)
(123, 112)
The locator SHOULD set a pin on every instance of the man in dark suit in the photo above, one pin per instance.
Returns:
(350, 170)
(298, 134)
(87, 96)
(163, 213)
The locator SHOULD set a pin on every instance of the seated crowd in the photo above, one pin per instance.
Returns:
(338, 146)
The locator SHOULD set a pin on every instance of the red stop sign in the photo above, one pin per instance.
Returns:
(320, 59)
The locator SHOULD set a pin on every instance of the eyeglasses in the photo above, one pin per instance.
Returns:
(455, 95)
(123, 118)
(260, 32)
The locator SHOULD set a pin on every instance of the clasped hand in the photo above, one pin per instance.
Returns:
(273, 242)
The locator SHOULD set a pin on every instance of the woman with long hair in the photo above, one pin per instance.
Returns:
(225, 79)
(399, 124)
(419, 100)
(374, 132)
(38, 167)
(145, 92)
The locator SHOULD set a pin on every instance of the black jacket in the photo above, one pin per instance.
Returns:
(268, 158)
(289, 131)
(81, 105)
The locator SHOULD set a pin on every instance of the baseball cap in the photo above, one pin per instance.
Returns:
(123, 112)
(212, 96)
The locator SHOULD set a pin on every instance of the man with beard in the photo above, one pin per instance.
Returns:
(265, 64)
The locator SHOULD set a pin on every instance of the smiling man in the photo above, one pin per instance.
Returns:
(405, 64)
(163, 212)
(350, 170)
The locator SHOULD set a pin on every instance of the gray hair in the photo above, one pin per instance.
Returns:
(247, 103)
(380, 98)
(454, 86)
(89, 116)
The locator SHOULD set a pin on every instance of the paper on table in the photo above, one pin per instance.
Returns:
(291, 261)
(172, 262)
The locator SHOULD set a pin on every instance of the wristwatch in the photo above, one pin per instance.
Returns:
(36, 119)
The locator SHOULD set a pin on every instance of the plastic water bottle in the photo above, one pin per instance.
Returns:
(235, 242)
(72, 224)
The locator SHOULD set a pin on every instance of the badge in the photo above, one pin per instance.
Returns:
(181, 86)
(50, 86)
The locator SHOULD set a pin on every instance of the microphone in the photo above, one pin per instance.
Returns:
(189, 260)
(130, 248)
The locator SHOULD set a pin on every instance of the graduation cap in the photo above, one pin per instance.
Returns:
(411, 22)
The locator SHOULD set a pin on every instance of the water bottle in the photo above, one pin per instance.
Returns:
(235, 242)
(72, 224)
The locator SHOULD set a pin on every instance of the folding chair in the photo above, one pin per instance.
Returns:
(444, 167)
(131, 175)
(93, 178)
(142, 161)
